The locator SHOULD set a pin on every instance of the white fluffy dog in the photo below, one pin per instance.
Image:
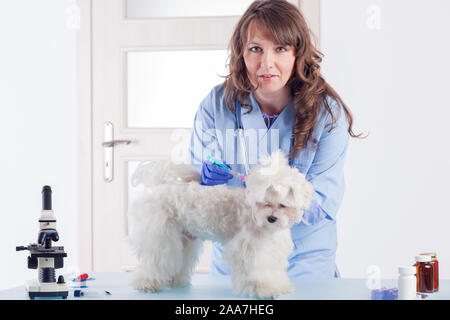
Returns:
(169, 221)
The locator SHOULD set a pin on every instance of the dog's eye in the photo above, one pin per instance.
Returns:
(282, 205)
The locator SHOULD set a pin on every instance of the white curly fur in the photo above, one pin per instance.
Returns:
(174, 205)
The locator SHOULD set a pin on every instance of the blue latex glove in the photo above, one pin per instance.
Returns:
(212, 174)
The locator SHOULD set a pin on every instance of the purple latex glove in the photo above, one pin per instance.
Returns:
(212, 174)
(314, 214)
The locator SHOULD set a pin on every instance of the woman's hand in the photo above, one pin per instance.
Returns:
(212, 174)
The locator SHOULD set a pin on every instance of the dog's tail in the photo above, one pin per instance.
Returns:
(153, 173)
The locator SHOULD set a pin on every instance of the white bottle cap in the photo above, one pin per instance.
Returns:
(407, 270)
(423, 258)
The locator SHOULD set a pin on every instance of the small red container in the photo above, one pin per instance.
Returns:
(435, 263)
(82, 277)
(425, 276)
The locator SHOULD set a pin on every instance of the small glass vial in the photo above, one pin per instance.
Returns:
(424, 273)
(435, 264)
(407, 283)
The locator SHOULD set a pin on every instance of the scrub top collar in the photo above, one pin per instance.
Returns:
(255, 120)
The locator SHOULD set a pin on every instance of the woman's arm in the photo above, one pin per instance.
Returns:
(203, 139)
(326, 172)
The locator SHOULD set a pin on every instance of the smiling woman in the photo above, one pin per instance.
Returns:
(269, 67)
(274, 72)
(276, 33)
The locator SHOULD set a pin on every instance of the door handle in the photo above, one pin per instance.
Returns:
(108, 151)
(114, 142)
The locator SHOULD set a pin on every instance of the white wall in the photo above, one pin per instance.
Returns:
(38, 128)
(395, 81)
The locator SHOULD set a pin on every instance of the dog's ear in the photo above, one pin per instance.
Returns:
(302, 190)
(294, 216)
(270, 165)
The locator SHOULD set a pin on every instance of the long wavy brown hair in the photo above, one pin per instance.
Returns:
(287, 26)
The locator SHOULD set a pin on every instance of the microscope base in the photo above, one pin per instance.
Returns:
(50, 289)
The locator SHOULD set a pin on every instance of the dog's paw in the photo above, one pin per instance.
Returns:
(287, 288)
(180, 281)
(266, 290)
(143, 283)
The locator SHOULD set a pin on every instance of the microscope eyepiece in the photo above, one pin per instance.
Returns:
(46, 198)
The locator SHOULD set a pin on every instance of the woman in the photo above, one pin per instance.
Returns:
(286, 104)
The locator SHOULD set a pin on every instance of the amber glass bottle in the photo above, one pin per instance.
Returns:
(435, 264)
(425, 276)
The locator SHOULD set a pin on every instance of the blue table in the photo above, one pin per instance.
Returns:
(209, 287)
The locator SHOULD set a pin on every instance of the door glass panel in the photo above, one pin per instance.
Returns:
(165, 88)
(183, 8)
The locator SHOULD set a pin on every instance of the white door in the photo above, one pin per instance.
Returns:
(152, 64)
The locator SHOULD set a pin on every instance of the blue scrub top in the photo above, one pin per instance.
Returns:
(315, 239)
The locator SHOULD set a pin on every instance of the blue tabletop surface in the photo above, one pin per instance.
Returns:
(209, 287)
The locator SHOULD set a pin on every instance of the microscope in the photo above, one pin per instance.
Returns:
(45, 257)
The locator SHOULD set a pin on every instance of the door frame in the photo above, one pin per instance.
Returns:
(311, 10)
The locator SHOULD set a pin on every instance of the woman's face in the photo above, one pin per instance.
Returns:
(269, 64)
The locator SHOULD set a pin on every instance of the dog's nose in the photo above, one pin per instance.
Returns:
(271, 219)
